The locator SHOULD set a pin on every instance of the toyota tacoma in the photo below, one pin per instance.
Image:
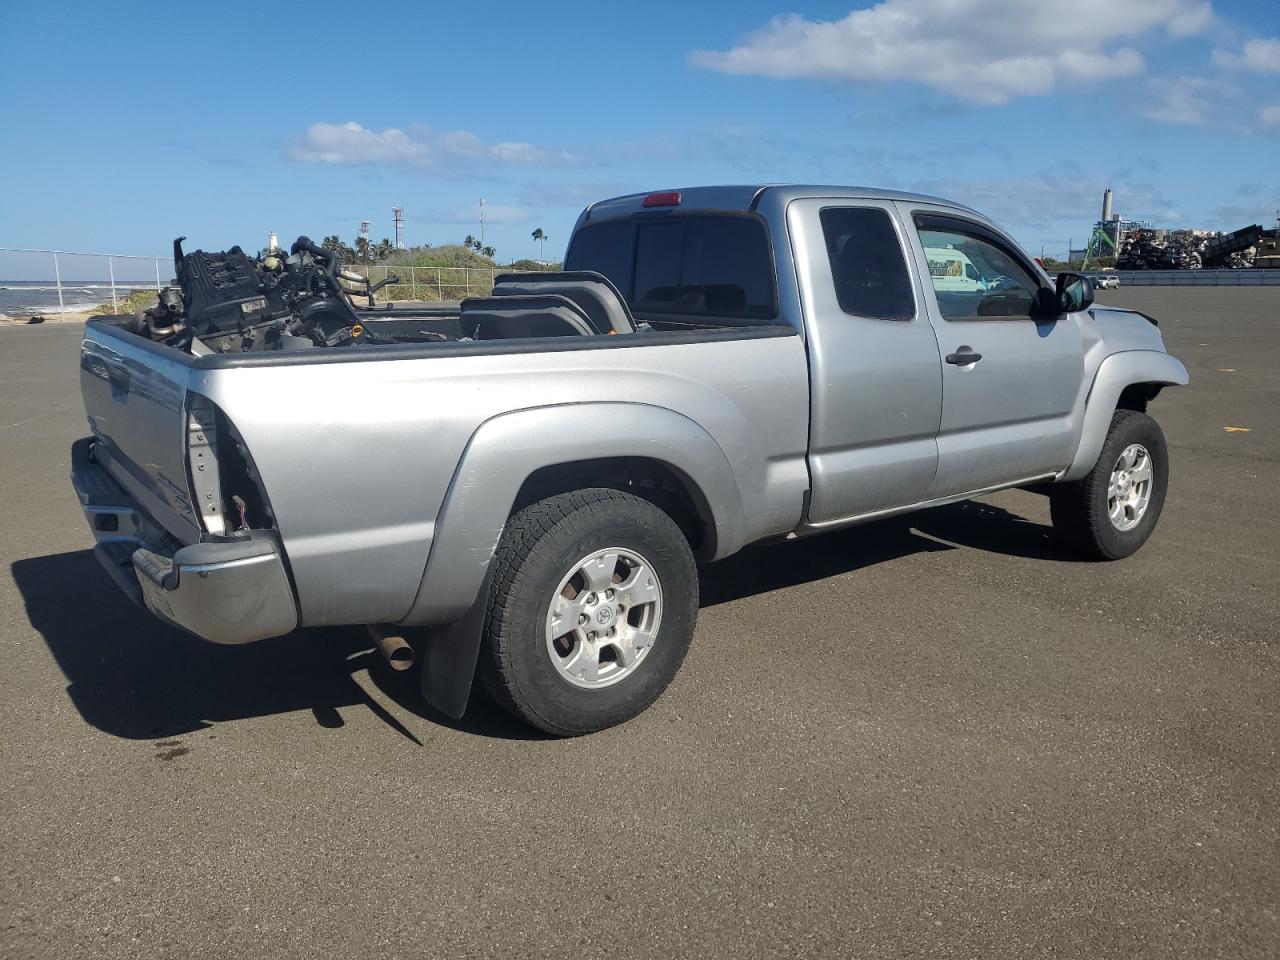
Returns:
(533, 477)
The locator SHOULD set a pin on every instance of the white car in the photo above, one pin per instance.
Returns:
(1105, 281)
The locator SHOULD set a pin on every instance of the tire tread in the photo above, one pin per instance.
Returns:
(519, 544)
(1077, 509)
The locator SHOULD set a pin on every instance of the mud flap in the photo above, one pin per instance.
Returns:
(450, 655)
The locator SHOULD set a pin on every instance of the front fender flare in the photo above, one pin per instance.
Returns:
(506, 450)
(1114, 374)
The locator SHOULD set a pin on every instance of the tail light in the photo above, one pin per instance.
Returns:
(670, 198)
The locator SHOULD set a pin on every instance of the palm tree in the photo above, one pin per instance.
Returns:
(541, 239)
(335, 245)
(469, 242)
(488, 252)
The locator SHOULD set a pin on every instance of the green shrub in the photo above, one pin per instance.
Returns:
(448, 272)
(535, 265)
(446, 255)
(130, 304)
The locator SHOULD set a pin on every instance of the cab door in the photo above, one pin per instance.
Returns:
(874, 369)
(1010, 376)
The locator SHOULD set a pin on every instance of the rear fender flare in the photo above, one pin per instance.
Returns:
(506, 450)
(1116, 372)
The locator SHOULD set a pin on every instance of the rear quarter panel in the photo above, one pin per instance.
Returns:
(357, 457)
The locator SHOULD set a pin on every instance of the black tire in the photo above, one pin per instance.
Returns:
(1079, 508)
(539, 546)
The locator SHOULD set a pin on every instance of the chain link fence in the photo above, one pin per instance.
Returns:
(73, 281)
(35, 280)
(429, 283)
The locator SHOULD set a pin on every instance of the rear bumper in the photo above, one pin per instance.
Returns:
(232, 591)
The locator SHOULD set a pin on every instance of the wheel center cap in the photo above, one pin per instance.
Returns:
(604, 615)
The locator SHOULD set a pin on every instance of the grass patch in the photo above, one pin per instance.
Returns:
(447, 272)
(130, 304)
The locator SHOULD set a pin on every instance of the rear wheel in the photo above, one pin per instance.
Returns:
(591, 612)
(1110, 512)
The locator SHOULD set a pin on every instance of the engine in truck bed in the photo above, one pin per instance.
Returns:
(226, 291)
(230, 302)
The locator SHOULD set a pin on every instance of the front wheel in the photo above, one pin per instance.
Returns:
(1110, 512)
(591, 612)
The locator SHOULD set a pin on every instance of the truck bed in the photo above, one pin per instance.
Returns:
(359, 449)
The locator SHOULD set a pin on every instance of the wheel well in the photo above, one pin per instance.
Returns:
(661, 484)
(1136, 396)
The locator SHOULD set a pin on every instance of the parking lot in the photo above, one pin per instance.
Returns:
(936, 736)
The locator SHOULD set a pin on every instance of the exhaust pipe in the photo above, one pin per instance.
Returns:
(393, 647)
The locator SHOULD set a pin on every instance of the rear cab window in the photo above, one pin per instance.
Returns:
(684, 269)
(868, 267)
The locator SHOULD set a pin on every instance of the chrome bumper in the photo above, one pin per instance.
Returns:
(232, 591)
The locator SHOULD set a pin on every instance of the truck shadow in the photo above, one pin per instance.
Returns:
(131, 676)
(971, 525)
(134, 677)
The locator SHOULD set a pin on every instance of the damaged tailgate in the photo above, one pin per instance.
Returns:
(135, 399)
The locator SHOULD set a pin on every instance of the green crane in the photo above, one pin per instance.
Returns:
(1098, 243)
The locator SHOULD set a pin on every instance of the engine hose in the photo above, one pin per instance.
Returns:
(143, 321)
(305, 243)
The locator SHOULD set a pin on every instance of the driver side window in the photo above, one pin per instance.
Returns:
(974, 278)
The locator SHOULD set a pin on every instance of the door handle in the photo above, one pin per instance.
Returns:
(963, 356)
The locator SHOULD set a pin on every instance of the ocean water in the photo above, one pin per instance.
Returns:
(22, 298)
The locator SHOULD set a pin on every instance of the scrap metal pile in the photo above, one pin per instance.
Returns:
(1187, 250)
(1241, 246)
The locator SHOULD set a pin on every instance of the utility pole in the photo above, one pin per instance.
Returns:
(482, 221)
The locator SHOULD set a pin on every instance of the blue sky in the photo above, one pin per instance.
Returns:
(128, 126)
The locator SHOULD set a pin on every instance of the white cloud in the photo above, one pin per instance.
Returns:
(576, 194)
(1234, 216)
(1177, 100)
(525, 154)
(982, 51)
(1051, 197)
(1270, 116)
(493, 213)
(1190, 101)
(350, 144)
(1256, 56)
(1194, 18)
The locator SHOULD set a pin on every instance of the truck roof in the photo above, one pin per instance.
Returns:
(748, 196)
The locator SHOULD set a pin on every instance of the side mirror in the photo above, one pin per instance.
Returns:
(1075, 292)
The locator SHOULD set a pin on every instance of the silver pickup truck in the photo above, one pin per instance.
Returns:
(533, 477)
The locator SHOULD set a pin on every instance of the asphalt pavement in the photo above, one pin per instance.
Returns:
(937, 736)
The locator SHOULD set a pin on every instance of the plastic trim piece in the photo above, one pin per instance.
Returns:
(1116, 372)
(507, 449)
